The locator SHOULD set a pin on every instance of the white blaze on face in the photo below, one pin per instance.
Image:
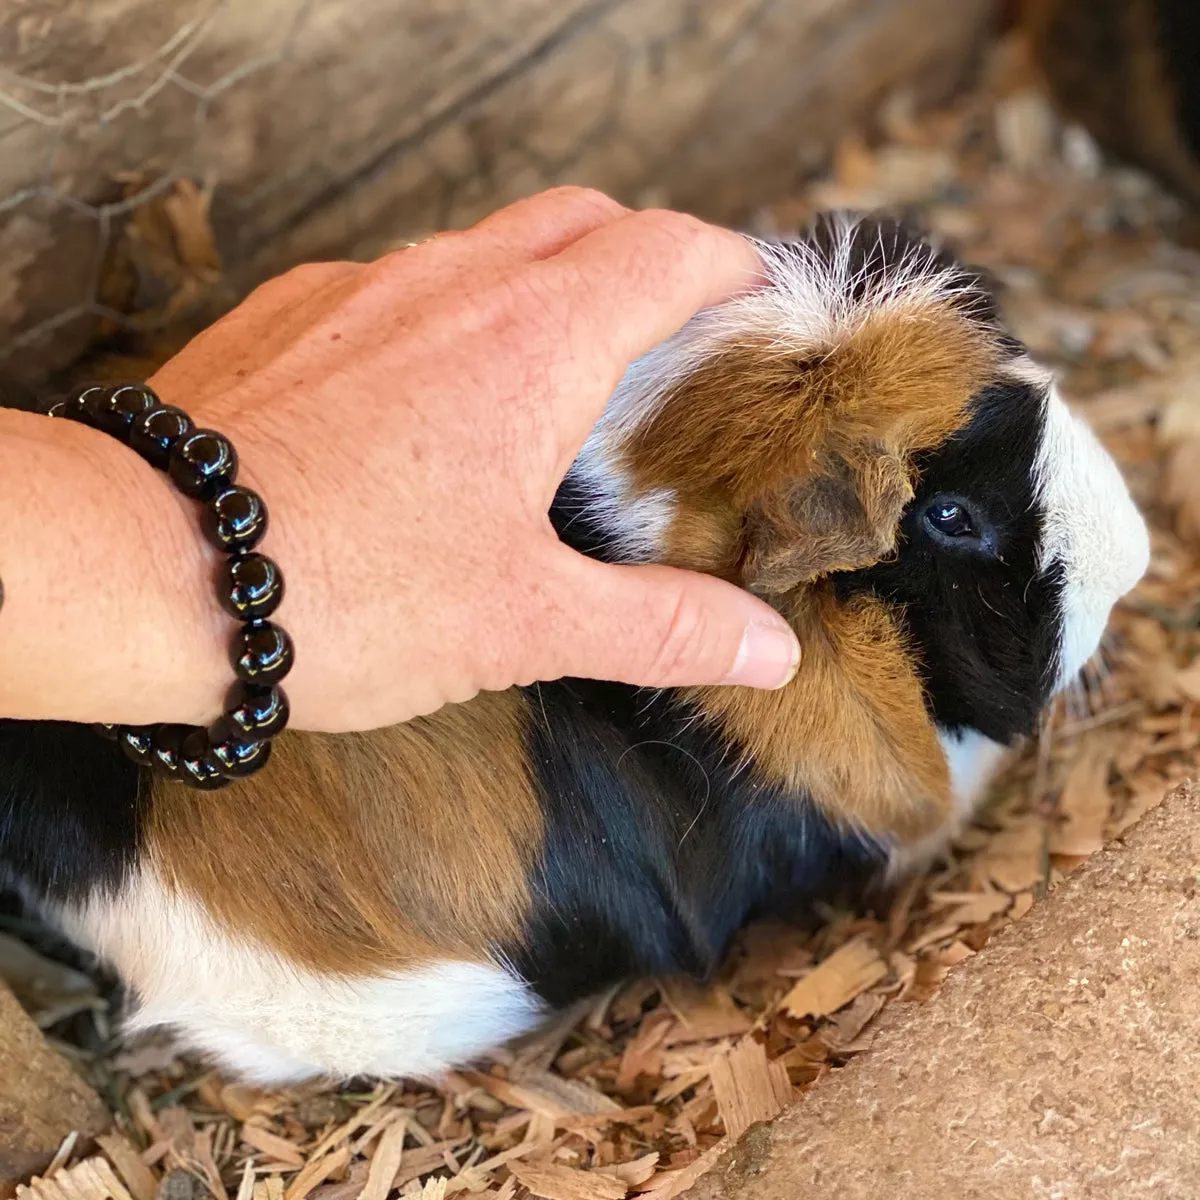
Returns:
(1091, 529)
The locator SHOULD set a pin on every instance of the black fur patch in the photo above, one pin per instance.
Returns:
(987, 628)
(658, 848)
(69, 809)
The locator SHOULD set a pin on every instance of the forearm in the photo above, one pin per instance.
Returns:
(108, 612)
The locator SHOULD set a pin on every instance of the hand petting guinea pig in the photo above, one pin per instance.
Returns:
(861, 443)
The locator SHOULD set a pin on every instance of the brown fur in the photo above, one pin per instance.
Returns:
(787, 465)
(366, 851)
(851, 727)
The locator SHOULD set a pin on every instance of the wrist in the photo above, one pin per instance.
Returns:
(108, 611)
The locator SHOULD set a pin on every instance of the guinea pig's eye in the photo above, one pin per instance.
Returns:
(950, 518)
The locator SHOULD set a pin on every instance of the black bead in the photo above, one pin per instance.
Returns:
(197, 765)
(108, 731)
(262, 653)
(122, 406)
(252, 712)
(202, 464)
(57, 409)
(154, 433)
(166, 742)
(137, 742)
(81, 402)
(235, 519)
(237, 756)
(250, 586)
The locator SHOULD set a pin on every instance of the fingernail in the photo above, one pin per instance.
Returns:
(767, 658)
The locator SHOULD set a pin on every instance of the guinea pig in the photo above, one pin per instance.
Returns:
(858, 441)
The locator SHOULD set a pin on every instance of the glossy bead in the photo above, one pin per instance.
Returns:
(239, 756)
(262, 653)
(249, 586)
(108, 731)
(202, 464)
(82, 401)
(137, 742)
(234, 519)
(57, 409)
(154, 433)
(165, 744)
(252, 711)
(197, 765)
(122, 406)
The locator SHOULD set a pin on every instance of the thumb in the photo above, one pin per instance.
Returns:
(655, 626)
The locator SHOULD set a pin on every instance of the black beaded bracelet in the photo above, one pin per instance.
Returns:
(203, 465)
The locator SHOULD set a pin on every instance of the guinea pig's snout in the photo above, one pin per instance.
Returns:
(1092, 532)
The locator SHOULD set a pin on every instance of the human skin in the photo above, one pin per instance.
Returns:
(407, 422)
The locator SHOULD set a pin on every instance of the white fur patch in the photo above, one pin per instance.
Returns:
(808, 303)
(273, 1021)
(973, 761)
(1092, 528)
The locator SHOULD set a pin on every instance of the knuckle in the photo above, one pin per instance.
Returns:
(686, 232)
(579, 196)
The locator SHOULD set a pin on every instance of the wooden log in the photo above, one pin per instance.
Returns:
(336, 128)
(42, 1099)
(1061, 1061)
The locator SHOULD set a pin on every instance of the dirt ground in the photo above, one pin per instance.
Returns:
(637, 1096)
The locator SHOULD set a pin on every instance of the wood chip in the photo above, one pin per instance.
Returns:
(748, 1087)
(139, 1179)
(667, 1185)
(849, 970)
(278, 1148)
(851, 1021)
(644, 1054)
(549, 1182)
(703, 1013)
(1085, 802)
(636, 1172)
(551, 1095)
(91, 1179)
(385, 1163)
(1015, 858)
(317, 1171)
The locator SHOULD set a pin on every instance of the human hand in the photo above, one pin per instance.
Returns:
(408, 422)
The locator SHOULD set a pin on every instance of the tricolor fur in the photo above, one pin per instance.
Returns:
(860, 443)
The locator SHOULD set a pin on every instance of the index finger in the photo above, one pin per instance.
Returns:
(644, 275)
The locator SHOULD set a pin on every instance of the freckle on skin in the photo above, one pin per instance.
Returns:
(336, 337)
(1, 593)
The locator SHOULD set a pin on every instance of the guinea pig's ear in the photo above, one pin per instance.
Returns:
(787, 451)
(840, 518)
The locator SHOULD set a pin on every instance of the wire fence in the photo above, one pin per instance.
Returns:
(106, 178)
